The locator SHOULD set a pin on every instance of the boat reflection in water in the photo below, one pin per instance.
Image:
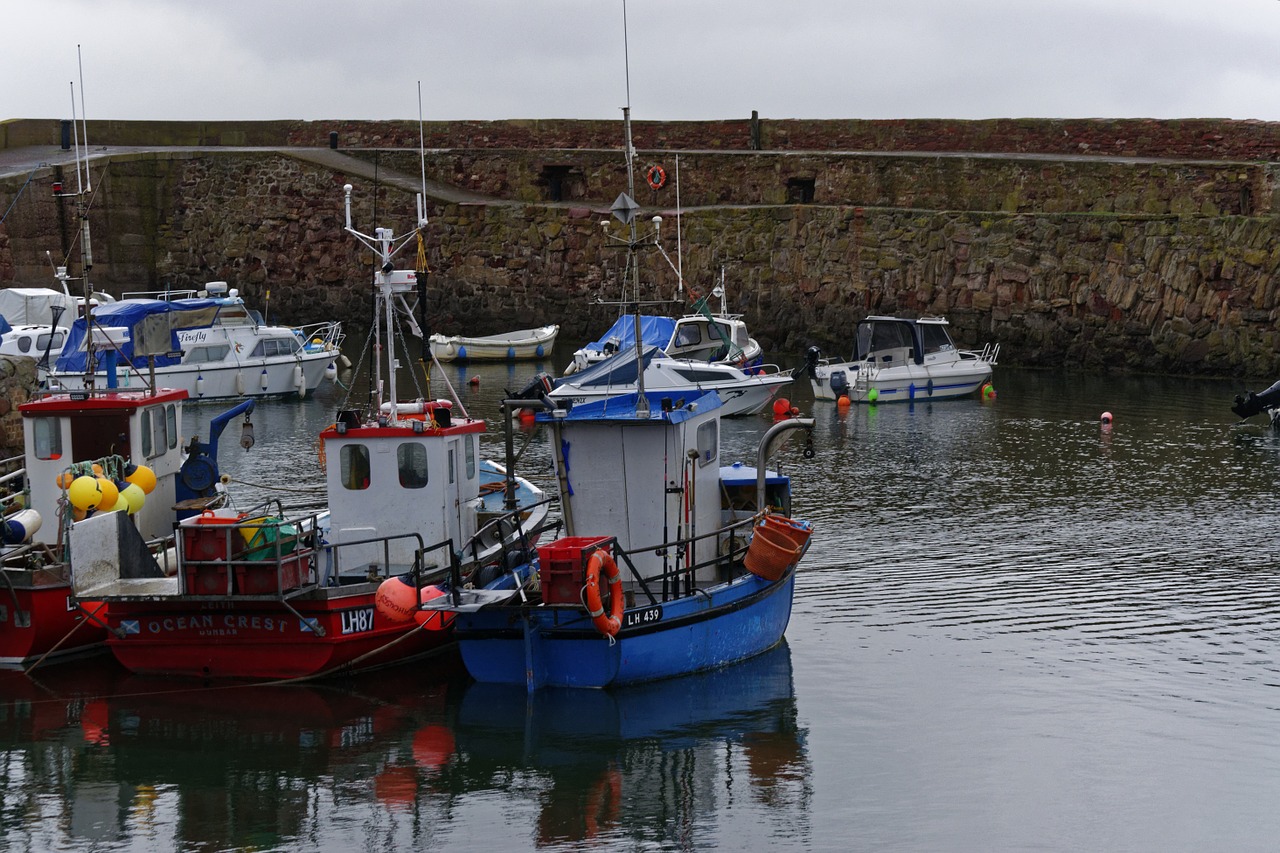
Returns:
(647, 763)
(92, 759)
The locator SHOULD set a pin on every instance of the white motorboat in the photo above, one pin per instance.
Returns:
(213, 347)
(896, 359)
(697, 336)
(37, 319)
(521, 345)
(742, 392)
(33, 340)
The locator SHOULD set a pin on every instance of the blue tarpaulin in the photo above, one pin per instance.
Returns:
(131, 314)
(654, 331)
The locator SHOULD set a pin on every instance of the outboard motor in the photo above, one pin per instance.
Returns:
(811, 357)
(536, 392)
(1251, 404)
(839, 382)
(537, 388)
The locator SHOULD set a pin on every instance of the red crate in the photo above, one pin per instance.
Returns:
(206, 580)
(206, 536)
(261, 579)
(562, 567)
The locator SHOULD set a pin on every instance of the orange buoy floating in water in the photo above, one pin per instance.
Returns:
(474, 381)
(781, 407)
(1106, 417)
(843, 402)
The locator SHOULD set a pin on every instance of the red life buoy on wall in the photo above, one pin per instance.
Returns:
(656, 176)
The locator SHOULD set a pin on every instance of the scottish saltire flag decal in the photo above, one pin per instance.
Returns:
(130, 626)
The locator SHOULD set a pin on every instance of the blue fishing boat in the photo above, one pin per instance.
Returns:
(672, 562)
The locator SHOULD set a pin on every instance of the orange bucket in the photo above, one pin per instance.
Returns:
(795, 531)
(770, 553)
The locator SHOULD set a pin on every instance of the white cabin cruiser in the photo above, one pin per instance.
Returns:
(213, 347)
(896, 359)
(742, 392)
(697, 336)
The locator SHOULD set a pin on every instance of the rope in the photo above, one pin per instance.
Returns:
(364, 351)
(421, 254)
(19, 195)
(274, 488)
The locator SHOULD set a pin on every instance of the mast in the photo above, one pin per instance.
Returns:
(642, 402)
(387, 284)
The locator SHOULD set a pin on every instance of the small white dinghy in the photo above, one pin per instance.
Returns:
(521, 345)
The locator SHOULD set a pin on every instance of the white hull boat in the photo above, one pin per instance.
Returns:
(213, 348)
(697, 336)
(901, 360)
(742, 392)
(522, 345)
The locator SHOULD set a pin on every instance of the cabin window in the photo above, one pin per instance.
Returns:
(159, 430)
(453, 461)
(171, 425)
(354, 468)
(43, 342)
(708, 443)
(688, 335)
(935, 338)
(47, 433)
(24, 344)
(696, 375)
(204, 355)
(411, 460)
(276, 346)
(471, 457)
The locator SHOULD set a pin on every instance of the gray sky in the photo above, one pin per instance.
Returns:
(689, 59)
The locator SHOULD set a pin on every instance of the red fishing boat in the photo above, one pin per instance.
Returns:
(114, 454)
(262, 593)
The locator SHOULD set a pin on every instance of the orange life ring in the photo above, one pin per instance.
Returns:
(606, 623)
(656, 176)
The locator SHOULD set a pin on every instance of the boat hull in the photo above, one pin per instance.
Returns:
(737, 398)
(554, 646)
(524, 345)
(265, 639)
(41, 619)
(263, 377)
(912, 383)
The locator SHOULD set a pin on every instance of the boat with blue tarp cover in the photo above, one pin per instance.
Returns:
(212, 347)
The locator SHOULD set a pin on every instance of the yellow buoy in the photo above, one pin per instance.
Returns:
(109, 494)
(134, 496)
(85, 493)
(142, 477)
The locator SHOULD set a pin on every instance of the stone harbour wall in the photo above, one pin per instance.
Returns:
(17, 381)
(1104, 263)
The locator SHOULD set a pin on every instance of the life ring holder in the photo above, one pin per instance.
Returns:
(609, 623)
(656, 176)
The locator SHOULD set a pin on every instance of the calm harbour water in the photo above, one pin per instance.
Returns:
(1013, 631)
